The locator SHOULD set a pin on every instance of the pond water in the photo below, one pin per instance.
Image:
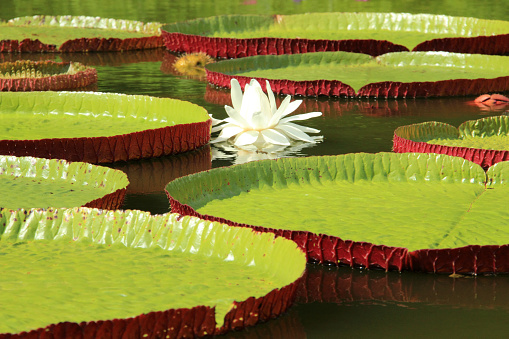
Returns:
(333, 302)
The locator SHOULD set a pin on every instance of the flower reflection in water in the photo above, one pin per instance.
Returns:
(239, 155)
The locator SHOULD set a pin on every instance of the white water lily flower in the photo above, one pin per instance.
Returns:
(255, 118)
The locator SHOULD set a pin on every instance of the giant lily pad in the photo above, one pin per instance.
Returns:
(483, 141)
(423, 212)
(406, 74)
(45, 76)
(93, 273)
(28, 182)
(99, 127)
(77, 34)
(236, 36)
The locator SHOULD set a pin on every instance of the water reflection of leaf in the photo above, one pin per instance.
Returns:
(370, 107)
(343, 284)
(151, 175)
(115, 58)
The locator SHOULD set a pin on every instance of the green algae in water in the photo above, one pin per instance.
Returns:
(32, 192)
(14, 126)
(45, 282)
(494, 142)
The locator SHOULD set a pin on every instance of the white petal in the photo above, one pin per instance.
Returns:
(255, 83)
(263, 117)
(251, 105)
(215, 121)
(304, 129)
(275, 118)
(275, 137)
(272, 99)
(235, 117)
(294, 133)
(217, 128)
(229, 131)
(246, 138)
(304, 116)
(236, 93)
(292, 106)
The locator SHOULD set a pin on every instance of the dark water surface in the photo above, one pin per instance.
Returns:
(332, 302)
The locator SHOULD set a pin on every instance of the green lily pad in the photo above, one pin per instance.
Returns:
(484, 141)
(99, 127)
(138, 274)
(27, 182)
(236, 36)
(405, 74)
(45, 76)
(395, 211)
(77, 33)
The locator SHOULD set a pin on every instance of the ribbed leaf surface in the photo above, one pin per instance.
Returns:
(404, 74)
(99, 127)
(76, 33)
(484, 141)
(28, 182)
(359, 209)
(370, 33)
(191, 276)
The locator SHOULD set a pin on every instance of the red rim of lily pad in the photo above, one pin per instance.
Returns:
(333, 250)
(193, 322)
(58, 170)
(148, 143)
(54, 76)
(221, 73)
(238, 48)
(484, 37)
(198, 321)
(99, 44)
(404, 141)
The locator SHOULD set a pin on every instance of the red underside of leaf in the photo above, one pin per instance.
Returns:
(26, 45)
(493, 45)
(238, 48)
(326, 249)
(59, 82)
(145, 144)
(110, 201)
(111, 44)
(198, 321)
(83, 45)
(483, 157)
(313, 88)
